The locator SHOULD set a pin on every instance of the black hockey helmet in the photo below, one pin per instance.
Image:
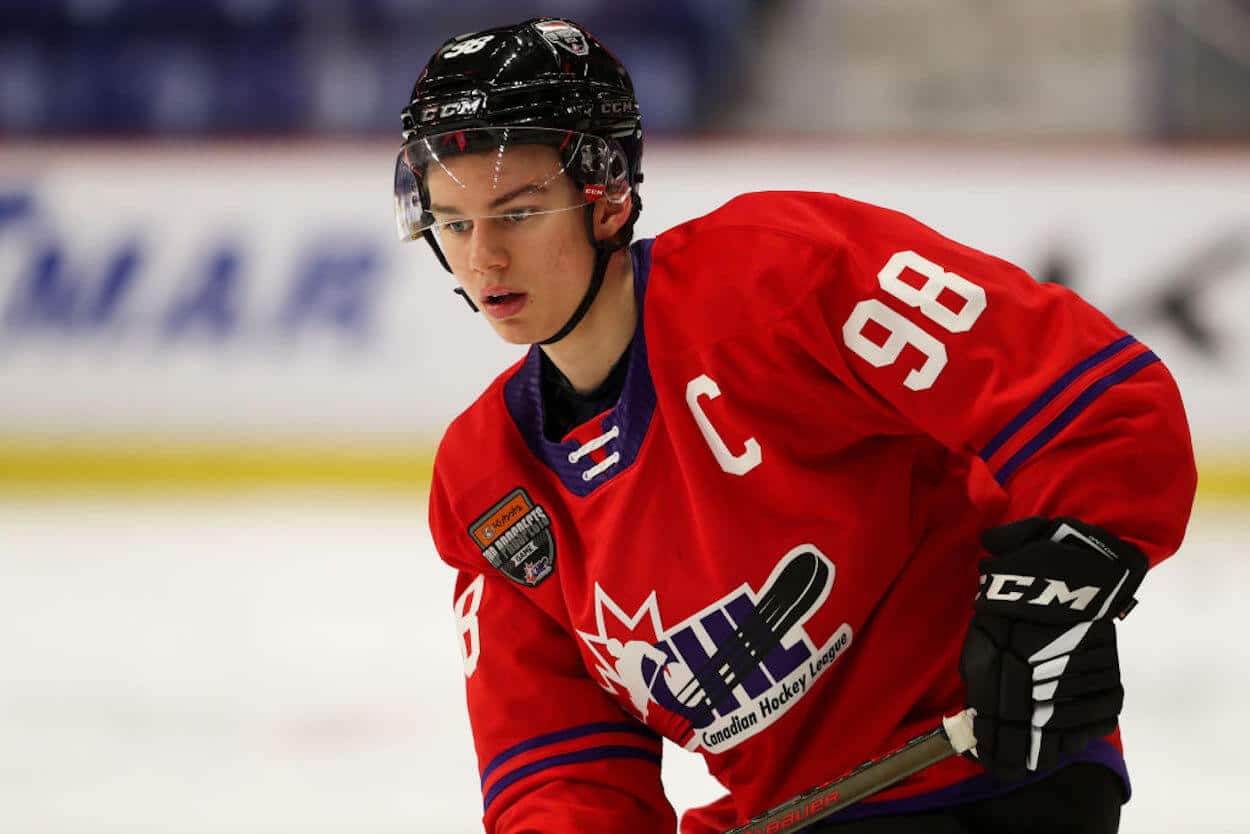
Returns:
(547, 81)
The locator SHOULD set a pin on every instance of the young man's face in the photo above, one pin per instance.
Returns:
(525, 270)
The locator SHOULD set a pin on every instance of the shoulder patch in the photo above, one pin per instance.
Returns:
(515, 536)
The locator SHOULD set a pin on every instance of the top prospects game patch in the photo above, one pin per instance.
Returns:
(515, 537)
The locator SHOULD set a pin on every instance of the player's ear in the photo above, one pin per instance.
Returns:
(611, 216)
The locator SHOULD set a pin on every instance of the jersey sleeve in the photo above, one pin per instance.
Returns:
(1062, 412)
(555, 754)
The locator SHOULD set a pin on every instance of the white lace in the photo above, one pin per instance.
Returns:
(590, 446)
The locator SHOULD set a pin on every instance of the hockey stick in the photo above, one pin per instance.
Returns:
(953, 736)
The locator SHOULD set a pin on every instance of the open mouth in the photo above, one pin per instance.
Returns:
(503, 304)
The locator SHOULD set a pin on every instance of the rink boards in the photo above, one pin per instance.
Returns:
(243, 312)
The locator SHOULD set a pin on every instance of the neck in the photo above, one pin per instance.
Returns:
(586, 355)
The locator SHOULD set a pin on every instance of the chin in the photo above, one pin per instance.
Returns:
(515, 333)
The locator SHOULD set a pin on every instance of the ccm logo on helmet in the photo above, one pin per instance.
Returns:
(619, 107)
(1007, 587)
(464, 107)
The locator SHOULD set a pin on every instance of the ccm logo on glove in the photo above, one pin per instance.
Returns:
(1056, 591)
(1040, 660)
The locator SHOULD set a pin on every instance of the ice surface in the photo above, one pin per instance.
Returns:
(278, 663)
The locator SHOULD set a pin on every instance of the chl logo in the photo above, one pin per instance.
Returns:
(730, 670)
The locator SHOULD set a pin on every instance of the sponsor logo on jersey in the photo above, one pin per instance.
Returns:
(730, 670)
(515, 536)
(564, 35)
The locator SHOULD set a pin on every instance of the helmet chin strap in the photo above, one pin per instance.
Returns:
(442, 259)
(460, 292)
(603, 253)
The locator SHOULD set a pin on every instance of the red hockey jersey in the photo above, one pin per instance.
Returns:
(767, 550)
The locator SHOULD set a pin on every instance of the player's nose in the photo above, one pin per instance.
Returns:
(486, 250)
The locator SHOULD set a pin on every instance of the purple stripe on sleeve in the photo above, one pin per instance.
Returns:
(579, 731)
(590, 754)
(1032, 409)
(1071, 413)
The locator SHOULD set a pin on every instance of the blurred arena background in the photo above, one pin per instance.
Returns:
(222, 379)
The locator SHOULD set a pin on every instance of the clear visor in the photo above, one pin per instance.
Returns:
(450, 180)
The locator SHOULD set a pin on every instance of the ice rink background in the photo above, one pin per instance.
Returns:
(272, 663)
(223, 302)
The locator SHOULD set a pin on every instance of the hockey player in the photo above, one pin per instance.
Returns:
(741, 490)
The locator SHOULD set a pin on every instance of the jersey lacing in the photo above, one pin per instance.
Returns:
(590, 446)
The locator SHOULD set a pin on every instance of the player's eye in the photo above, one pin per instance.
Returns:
(518, 215)
(458, 227)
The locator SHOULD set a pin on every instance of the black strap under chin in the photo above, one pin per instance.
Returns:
(603, 252)
(442, 259)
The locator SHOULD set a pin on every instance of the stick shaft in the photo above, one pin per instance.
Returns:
(867, 779)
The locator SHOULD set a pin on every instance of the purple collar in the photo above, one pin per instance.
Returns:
(631, 414)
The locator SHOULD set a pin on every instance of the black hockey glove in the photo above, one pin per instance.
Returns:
(1040, 658)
